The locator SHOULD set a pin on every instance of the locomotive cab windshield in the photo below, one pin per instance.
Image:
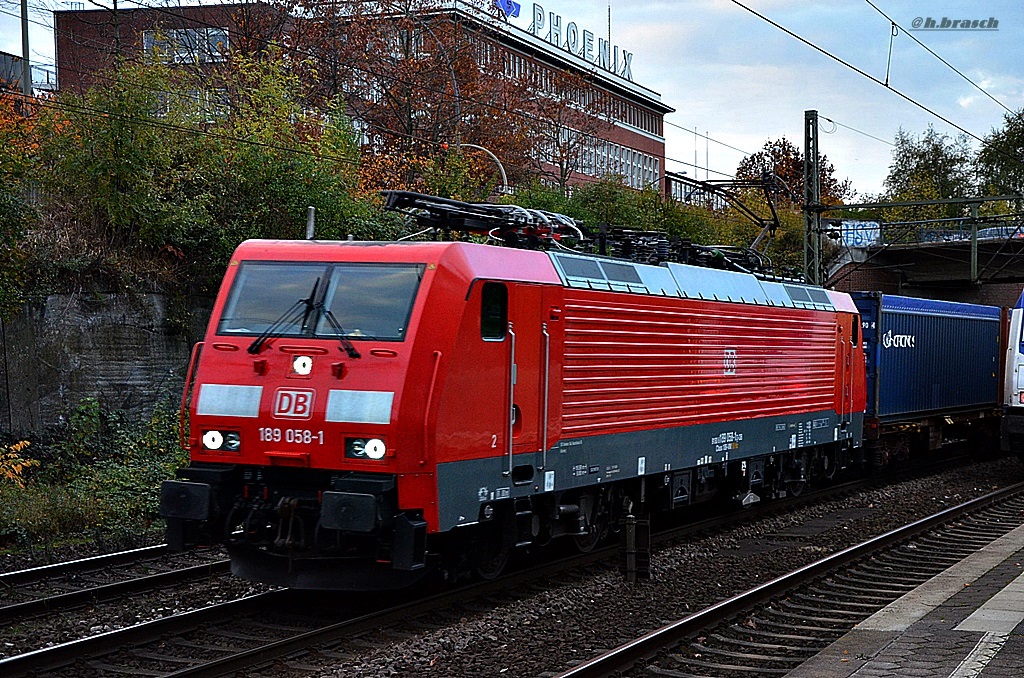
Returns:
(358, 301)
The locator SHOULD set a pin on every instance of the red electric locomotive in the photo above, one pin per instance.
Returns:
(360, 413)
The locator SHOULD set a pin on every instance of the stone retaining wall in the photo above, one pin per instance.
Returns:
(120, 349)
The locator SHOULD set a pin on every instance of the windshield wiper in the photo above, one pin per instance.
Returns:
(306, 306)
(346, 345)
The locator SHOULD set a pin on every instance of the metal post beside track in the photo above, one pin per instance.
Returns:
(636, 549)
(547, 387)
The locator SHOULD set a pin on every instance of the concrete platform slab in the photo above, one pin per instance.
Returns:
(964, 623)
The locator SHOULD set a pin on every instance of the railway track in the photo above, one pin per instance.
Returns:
(259, 630)
(773, 628)
(62, 586)
(303, 631)
(289, 627)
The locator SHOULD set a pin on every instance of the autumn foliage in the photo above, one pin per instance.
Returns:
(13, 465)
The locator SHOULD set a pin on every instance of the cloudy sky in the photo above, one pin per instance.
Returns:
(740, 81)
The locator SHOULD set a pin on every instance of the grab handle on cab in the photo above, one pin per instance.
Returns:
(189, 378)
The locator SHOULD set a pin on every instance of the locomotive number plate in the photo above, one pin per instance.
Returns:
(301, 436)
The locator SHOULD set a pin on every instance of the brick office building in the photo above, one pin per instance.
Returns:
(90, 41)
(631, 143)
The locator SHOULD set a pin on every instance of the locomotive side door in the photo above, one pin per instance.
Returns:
(855, 361)
(846, 348)
(533, 328)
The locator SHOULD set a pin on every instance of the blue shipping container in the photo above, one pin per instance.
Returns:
(927, 357)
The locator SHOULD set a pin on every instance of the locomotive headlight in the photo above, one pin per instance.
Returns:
(213, 440)
(365, 448)
(302, 365)
(232, 441)
(375, 448)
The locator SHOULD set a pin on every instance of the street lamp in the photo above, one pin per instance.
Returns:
(504, 188)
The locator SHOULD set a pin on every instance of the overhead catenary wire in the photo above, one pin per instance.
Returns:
(874, 79)
(910, 35)
(854, 129)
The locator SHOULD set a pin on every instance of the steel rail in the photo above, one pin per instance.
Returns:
(84, 596)
(57, 656)
(645, 647)
(27, 576)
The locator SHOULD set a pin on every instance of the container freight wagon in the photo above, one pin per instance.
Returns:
(1012, 433)
(932, 371)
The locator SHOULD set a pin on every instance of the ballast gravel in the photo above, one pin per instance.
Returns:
(52, 629)
(550, 631)
(546, 631)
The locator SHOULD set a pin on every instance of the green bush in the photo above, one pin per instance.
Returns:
(80, 440)
(147, 453)
(100, 478)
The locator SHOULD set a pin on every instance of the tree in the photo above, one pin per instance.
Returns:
(786, 161)
(409, 75)
(19, 145)
(156, 177)
(272, 156)
(418, 82)
(931, 166)
(566, 130)
(117, 155)
(1000, 162)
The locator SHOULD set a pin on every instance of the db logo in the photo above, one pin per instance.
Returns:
(293, 403)
(730, 361)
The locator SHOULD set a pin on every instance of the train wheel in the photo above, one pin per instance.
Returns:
(496, 541)
(880, 459)
(795, 474)
(585, 543)
(596, 524)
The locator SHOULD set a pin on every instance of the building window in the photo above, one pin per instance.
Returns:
(187, 45)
